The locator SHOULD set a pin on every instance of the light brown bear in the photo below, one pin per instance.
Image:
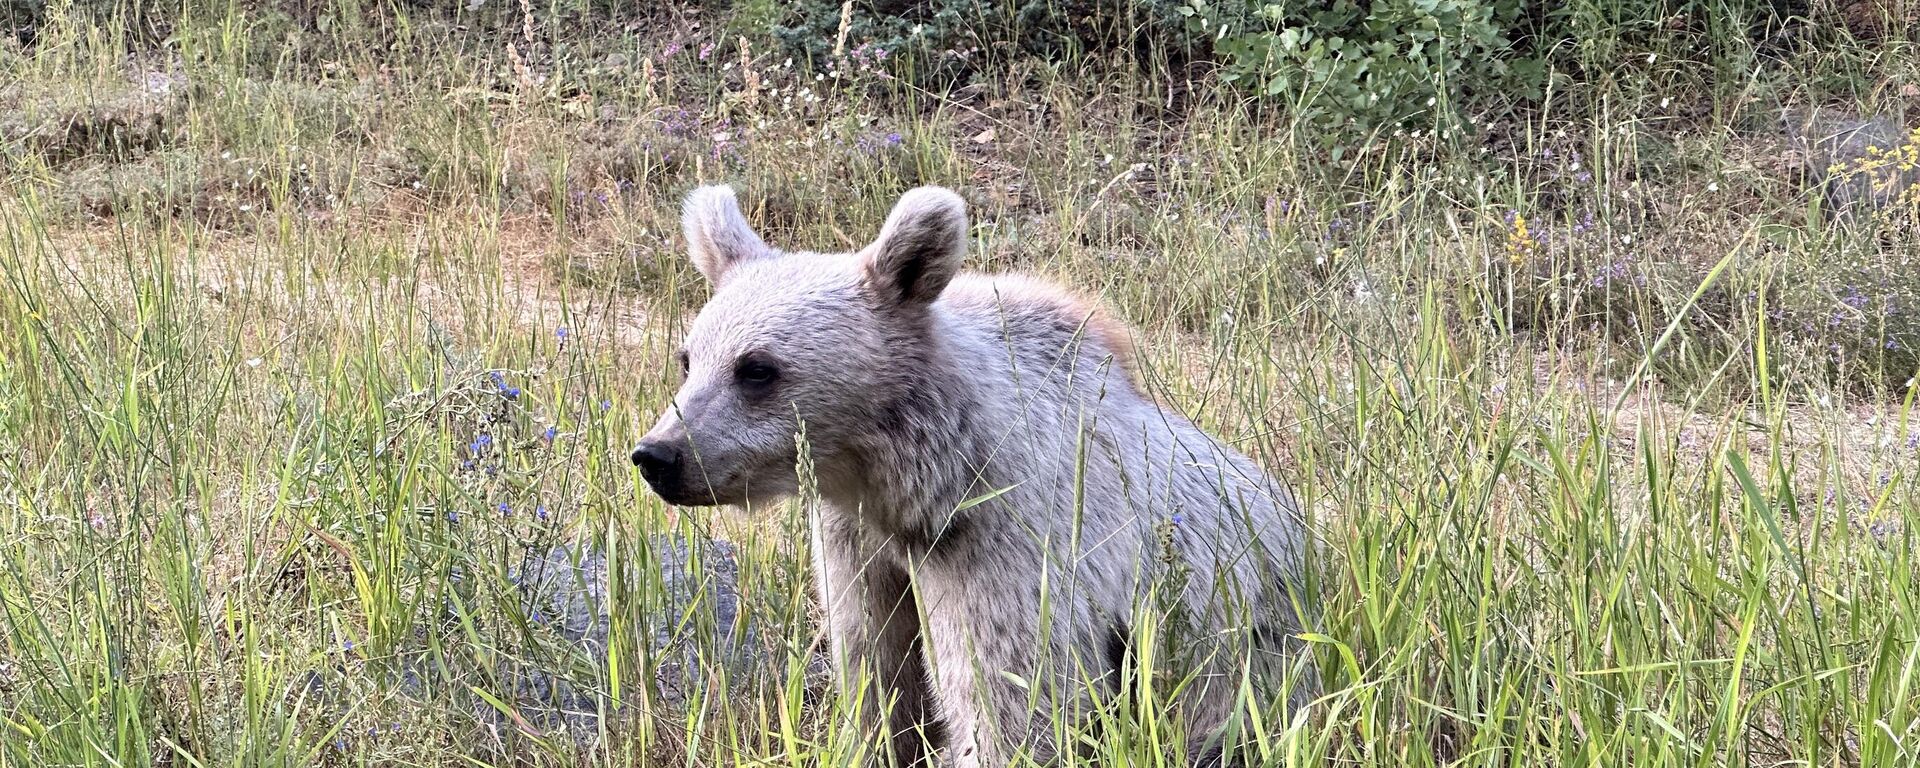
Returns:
(1001, 505)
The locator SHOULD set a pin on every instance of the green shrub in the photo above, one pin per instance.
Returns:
(1368, 64)
(1420, 63)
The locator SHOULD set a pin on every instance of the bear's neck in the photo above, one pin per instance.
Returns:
(923, 459)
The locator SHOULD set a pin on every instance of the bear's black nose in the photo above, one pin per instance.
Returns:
(659, 463)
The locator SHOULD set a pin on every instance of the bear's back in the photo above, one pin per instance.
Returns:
(1034, 322)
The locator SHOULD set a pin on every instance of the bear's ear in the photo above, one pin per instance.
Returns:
(920, 249)
(718, 237)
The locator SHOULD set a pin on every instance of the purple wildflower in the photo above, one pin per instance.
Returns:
(505, 510)
(562, 333)
(551, 433)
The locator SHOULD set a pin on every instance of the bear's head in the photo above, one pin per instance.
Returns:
(828, 340)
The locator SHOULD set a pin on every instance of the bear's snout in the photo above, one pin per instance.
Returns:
(659, 464)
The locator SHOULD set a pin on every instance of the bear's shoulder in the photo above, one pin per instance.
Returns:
(1026, 304)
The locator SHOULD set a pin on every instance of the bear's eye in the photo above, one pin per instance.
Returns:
(755, 374)
(686, 365)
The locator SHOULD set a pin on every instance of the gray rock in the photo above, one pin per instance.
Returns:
(680, 587)
(681, 594)
(1832, 138)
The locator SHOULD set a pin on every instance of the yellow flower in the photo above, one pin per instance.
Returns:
(1520, 242)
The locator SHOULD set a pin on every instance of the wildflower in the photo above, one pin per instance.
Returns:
(505, 510)
(1520, 243)
(605, 404)
(552, 432)
(706, 51)
(347, 646)
(540, 512)
(893, 139)
(561, 332)
(453, 515)
(511, 392)
(480, 443)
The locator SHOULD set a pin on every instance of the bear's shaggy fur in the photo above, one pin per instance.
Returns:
(1004, 511)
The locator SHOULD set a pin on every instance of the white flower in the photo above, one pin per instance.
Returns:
(1713, 186)
(253, 362)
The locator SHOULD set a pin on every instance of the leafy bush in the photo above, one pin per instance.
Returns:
(1386, 63)
(1369, 63)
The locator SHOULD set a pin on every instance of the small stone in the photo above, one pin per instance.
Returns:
(1834, 142)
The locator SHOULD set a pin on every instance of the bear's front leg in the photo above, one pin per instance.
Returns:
(984, 648)
(874, 627)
